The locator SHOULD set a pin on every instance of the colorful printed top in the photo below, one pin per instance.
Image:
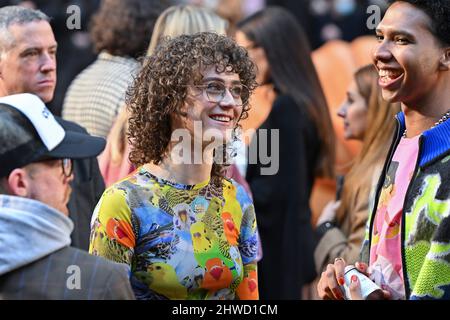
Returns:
(385, 250)
(181, 241)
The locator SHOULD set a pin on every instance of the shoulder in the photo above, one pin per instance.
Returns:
(98, 274)
(128, 192)
(286, 102)
(70, 126)
(91, 264)
(287, 112)
(233, 189)
(71, 260)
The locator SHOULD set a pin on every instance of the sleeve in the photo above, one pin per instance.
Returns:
(118, 286)
(248, 247)
(112, 235)
(432, 278)
(335, 243)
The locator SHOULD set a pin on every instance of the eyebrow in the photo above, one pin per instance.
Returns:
(397, 33)
(54, 46)
(220, 80)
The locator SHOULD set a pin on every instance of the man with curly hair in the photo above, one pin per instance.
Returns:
(120, 31)
(406, 250)
(186, 231)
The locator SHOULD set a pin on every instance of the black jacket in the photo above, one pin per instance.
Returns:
(282, 202)
(87, 188)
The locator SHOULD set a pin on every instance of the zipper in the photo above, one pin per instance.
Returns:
(403, 235)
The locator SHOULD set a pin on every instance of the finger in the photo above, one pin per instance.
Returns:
(362, 267)
(387, 295)
(339, 266)
(355, 288)
(322, 288)
(332, 283)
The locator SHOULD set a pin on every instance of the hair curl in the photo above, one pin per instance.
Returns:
(160, 89)
(123, 27)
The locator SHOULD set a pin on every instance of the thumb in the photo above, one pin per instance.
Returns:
(362, 267)
(355, 288)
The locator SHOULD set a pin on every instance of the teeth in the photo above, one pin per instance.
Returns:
(383, 73)
(221, 118)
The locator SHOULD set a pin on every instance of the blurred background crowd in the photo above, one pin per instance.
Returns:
(337, 34)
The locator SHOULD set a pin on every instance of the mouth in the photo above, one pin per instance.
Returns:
(389, 79)
(222, 118)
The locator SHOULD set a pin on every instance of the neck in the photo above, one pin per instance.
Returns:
(421, 115)
(3, 91)
(186, 172)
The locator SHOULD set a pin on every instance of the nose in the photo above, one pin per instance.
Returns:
(228, 100)
(342, 112)
(381, 52)
(48, 62)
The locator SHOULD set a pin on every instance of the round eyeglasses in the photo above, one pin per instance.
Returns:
(67, 167)
(215, 91)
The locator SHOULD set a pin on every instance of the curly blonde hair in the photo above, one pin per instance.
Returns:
(160, 89)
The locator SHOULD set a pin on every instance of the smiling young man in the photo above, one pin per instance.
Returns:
(407, 243)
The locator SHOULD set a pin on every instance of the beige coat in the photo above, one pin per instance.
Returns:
(346, 240)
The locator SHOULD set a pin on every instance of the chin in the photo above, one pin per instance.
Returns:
(46, 96)
(390, 97)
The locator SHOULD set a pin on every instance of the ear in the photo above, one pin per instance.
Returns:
(18, 183)
(444, 61)
(1, 65)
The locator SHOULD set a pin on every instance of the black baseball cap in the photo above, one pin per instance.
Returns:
(30, 133)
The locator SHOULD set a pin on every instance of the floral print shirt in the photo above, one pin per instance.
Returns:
(180, 241)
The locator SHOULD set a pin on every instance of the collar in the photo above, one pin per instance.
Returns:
(104, 55)
(435, 141)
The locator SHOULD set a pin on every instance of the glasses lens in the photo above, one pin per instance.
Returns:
(244, 95)
(236, 92)
(215, 91)
(67, 167)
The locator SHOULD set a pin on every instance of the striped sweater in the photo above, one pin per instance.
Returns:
(96, 95)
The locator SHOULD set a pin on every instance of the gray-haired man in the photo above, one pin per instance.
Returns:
(28, 65)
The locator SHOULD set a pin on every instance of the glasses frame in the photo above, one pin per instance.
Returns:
(66, 165)
(207, 97)
(67, 162)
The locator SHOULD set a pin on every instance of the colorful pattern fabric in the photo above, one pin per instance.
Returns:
(426, 217)
(181, 241)
(385, 253)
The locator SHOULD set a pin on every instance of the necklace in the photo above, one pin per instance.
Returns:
(445, 117)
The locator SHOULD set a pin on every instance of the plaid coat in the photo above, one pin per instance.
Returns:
(67, 274)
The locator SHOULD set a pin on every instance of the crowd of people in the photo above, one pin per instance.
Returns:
(185, 160)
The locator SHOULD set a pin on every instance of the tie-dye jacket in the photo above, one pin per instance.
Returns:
(425, 221)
